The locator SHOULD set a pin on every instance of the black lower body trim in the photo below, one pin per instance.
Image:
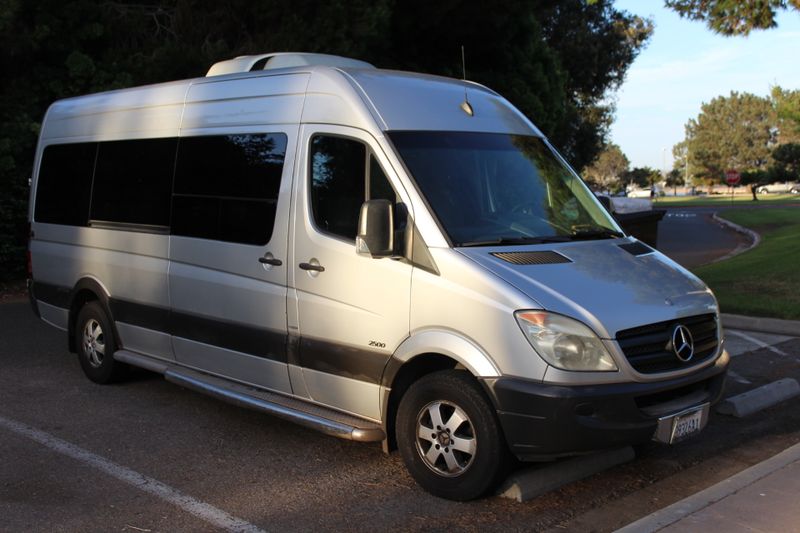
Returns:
(259, 342)
(50, 294)
(341, 360)
(542, 421)
(250, 340)
(32, 298)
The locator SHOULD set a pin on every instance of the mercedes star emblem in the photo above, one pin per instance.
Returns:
(682, 343)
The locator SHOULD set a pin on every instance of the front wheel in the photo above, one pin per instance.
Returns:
(449, 438)
(96, 345)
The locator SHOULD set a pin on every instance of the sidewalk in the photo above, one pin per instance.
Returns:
(765, 497)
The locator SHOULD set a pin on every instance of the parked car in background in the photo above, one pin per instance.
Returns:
(648, 192)
(785, 187)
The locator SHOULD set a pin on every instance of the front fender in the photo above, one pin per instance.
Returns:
(444, 342)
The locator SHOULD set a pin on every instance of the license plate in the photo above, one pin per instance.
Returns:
(681, 425)
(686, 425)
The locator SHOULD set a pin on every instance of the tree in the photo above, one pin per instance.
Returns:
(787, 109)
(675, 179)
(733, 132)
(682, 162)
(733, 17)
(557, 61)
(605, 172)
(787, 161)
(641, 177)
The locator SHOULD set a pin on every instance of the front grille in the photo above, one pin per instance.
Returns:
(649, 348)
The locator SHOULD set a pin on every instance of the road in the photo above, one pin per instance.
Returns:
(68, 444)
(692, 237)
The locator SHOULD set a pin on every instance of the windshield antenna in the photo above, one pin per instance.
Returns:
(465, 105)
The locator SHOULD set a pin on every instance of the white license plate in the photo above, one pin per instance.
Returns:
(674, 428)
(686, 425)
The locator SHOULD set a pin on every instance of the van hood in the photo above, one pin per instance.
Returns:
(603, 284)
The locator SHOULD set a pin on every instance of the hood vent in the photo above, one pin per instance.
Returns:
(532, 258)
(636, 248)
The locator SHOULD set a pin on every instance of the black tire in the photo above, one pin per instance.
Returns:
(96, 344)
(450, 393)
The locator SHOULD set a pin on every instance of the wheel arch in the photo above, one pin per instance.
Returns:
(422, 354)
(87, 290)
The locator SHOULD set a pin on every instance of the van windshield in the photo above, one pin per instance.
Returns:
(496, 188)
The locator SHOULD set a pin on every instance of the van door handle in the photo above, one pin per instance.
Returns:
(269, 260)
(309, 266)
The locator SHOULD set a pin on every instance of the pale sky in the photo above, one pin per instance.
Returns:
(684, 65)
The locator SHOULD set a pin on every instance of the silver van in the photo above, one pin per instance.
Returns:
(382, 256)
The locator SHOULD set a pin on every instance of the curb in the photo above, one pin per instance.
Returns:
(537, 480)
(752, 235)
(755, 400)
(777, 326)
(688, 506)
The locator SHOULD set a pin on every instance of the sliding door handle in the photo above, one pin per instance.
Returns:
(269, 260)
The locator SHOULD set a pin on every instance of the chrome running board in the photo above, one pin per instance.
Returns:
(320, 418)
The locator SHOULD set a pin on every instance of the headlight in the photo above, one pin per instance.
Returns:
(565, 343)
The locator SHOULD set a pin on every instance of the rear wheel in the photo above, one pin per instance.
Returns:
(449, 437)
(96, 345)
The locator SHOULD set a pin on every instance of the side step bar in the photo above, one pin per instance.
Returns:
(323, 419)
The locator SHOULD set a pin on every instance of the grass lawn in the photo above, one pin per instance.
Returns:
(725, 199)
(764, 281)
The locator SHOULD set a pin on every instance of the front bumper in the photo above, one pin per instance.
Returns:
(543, 421)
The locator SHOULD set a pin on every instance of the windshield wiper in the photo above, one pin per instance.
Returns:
(517, 240)
(594, 233)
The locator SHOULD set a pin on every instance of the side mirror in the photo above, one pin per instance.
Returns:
(375, 229)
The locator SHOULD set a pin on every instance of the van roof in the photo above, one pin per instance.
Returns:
(358, 96)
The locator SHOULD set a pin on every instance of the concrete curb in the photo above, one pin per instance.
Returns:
(755, 400)
(535, 481)
(764, 325)
(755, 238)
(688, 506)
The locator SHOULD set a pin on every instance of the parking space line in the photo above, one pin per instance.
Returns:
(755, 341)
(193, 506)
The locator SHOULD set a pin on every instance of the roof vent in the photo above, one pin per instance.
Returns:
(282, 60)
(546, 257)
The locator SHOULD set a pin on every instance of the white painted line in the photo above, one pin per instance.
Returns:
(200, 509)
(755, 341)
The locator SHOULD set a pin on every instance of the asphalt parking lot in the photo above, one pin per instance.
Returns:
(147, 455)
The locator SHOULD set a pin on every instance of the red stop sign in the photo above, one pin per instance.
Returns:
(732, 177)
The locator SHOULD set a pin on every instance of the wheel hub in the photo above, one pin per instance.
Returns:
(445, 438)
(94, 342)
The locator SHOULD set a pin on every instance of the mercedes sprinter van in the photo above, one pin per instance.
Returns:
(383, 256)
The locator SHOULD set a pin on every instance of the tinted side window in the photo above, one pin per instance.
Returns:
(226, 187)
(65, 184)
(338, 169)
(341, 180)
(133, 181)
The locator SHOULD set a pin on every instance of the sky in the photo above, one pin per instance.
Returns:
(684, 65)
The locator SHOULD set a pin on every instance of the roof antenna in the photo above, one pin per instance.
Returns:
(465, 106)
